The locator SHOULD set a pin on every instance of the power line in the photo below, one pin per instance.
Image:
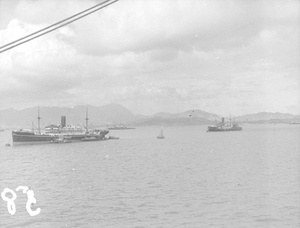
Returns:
(34, 37)
(60, 22)
(54, 24)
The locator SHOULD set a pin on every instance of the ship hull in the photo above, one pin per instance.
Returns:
(27, 138)
(30, 138)
(31, 143)
(219, 129)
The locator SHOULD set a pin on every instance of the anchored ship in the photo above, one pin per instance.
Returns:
(222, 126)
(295, 122)
(57, 133)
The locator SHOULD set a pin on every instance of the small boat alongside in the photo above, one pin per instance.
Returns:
(111, 138)
(90, 138)
(61, 139)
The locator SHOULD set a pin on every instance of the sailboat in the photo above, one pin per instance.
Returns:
(161, 135)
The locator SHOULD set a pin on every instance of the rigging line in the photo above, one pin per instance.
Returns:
(8, 48)
(75, 15)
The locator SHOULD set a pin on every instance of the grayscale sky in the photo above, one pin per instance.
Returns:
(220, 56)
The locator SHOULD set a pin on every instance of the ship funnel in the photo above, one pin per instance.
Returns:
(63, 121)
(223, 120)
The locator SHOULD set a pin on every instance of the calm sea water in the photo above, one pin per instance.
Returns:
(190, 179)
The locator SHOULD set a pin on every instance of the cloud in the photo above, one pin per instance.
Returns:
(203, 54)
(135, 26)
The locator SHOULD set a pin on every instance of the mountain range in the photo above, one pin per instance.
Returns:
(117, 114)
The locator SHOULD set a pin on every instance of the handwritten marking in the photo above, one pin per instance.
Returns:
(31, 200)
(11, 206)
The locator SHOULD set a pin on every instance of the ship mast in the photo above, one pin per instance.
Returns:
(86, 121)
(39, 120)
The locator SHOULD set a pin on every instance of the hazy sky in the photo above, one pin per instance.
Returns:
(221, 56)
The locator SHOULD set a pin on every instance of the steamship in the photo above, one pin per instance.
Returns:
(57, 133)
(222, 126)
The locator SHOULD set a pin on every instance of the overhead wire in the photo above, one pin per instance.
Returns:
(54, 24)
(67, 21)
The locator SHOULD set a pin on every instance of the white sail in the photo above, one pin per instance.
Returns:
(161, 135)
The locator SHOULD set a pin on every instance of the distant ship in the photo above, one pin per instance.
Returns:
(295, 122)
(120, 127)
(222, 126)
(57, 134)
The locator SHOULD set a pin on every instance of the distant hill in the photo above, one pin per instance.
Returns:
(191, 117)
(195, 113)
(171, 121)
(101, 115)
(117, 114)
(198, 117)
(267, 117)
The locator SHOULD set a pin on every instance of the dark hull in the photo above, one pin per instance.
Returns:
(219, 129)
(20, 138)
(29, 138)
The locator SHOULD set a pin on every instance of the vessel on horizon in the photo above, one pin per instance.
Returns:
(120, 127)
(295, 122)
(222, 126)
